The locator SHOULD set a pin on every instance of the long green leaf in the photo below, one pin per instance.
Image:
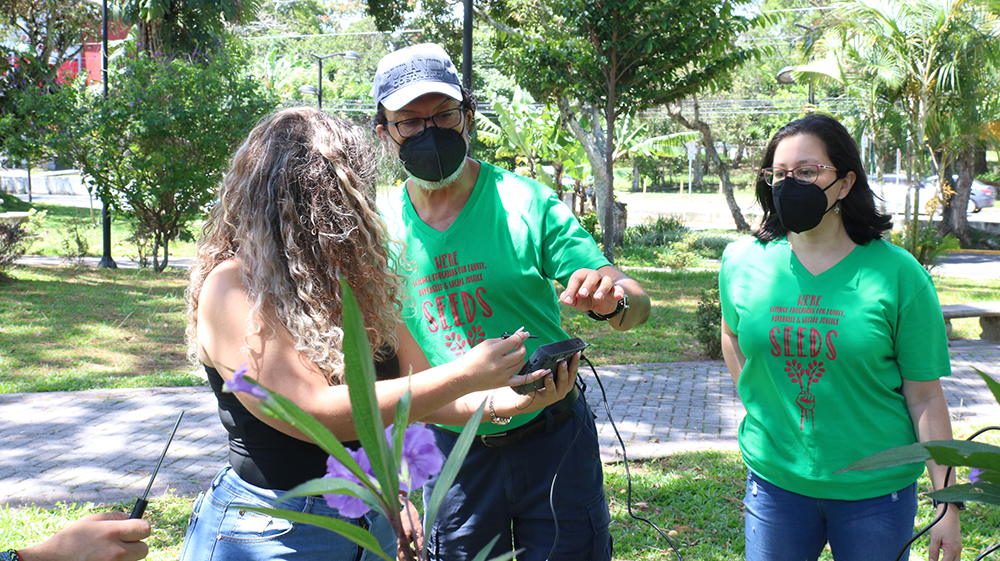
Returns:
(965, 453)
(399, 427)
(284, 409)
(362, 537)
(330, 486)
(980, 492)
(481, 556)
(992, 384)
(359, 371)
(450, 469)
(892, 457)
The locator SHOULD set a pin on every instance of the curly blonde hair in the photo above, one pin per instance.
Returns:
(297, 209)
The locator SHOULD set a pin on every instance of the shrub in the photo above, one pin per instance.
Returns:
(157, 145)
(708, 323)
(930, 244)
(711, 245)
(678, 257)
(592, 225)
(662, 231)
(75, 245)
(13, 244)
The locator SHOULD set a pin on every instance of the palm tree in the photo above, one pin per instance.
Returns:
(915, 55)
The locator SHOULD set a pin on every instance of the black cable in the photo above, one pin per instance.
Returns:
(552, 491)
(991, 549)
(947, 476)
(628, 475)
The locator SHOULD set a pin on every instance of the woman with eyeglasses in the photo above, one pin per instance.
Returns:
(836, 343)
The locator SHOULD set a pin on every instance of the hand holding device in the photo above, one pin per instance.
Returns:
(547, 357)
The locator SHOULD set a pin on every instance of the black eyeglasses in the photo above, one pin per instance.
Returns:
(806, 173)
(445, 120)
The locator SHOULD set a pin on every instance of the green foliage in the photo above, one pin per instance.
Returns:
(928, 244)
(926, 73)
(655, 52)
(75, 245)
(955, 453)
(157, 146)
(710, 245)
(616, 58)
(10, 203)
(591, 224)
(183, 27)
(708, 323)
(13, 243)
(662, 231)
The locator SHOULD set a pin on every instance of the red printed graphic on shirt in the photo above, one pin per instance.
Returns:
(453, 303)
(806, 400)
(806, 331)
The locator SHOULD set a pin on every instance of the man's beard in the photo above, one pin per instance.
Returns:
(437, 185)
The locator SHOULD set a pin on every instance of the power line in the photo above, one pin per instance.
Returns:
(303, 36)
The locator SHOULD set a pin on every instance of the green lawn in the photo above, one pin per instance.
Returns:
(694, 497)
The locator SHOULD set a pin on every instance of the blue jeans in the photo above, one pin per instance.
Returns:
(505, 492)
(785, 526)
(221, 531)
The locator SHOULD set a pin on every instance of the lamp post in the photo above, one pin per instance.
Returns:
(106, 261)
(349, 55)
(785, 77)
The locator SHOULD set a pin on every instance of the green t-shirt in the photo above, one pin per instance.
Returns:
(825, 360)
(491, 271)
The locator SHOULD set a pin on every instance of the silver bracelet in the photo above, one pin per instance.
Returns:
(501, 421)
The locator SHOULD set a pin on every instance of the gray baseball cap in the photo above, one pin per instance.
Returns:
(411, 72)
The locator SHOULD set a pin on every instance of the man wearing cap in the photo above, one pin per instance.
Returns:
(486, 245)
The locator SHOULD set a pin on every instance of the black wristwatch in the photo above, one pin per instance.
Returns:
(958, 505)
(622, 306)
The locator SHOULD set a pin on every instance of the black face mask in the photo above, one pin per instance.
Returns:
(433, 154)
(801, 206)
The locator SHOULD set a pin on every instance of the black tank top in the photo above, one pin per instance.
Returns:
(266, 457)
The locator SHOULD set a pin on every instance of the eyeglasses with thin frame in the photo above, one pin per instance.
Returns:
(412, 127)
(806, 173)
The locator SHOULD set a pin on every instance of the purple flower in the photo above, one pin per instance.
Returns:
(420, 459)
(239, 384)
(974, 474)
(348, 506)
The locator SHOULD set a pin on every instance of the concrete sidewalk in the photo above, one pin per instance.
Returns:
(101, 445)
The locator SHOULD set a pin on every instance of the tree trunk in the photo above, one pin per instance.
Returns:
(621, 223)
(954, 219)
(697, 167)
(609, 226)
(696, 124)
(558, 177)
(595, 149)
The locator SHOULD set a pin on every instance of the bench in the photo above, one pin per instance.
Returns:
(987, 312)
(14, 217)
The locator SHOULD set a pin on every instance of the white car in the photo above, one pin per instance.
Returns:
(894, 187)
(980, 196)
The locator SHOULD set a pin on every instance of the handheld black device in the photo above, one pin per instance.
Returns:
(140, 505)
(548, 357)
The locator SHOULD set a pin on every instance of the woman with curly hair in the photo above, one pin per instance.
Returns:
(295, 211)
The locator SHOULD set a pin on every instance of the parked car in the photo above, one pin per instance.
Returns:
(980, 197)
(894, 187)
